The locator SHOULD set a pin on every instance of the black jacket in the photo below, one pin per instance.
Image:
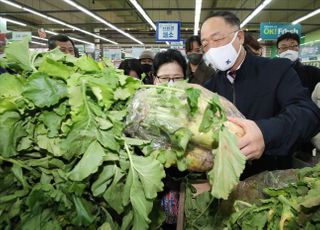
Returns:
(269, 92)
(309, 75)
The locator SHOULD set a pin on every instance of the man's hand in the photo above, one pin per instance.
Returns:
(252, 143)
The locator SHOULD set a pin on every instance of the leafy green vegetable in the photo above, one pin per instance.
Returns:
(295, 206)
(229, 163)
(65, 159)
(44, 91)
(89, 163)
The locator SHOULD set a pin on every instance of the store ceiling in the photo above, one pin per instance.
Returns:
(123, 15)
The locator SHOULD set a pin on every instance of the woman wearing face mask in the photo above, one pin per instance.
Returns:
(197, 71)
(288, 46)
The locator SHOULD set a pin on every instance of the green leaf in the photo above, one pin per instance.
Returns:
(52, 145)
(121, 94)
(17, 171)
(143, 183)
(17, 54)
(11, 131)
(135, 141)
(312, 199)
(79, 138)
(84, 217)
(127, 221)
(213, 116)
(181, 138)
(103, 92)
(87, 64)
(99, 186)
(55, 68)
(44, 91)
(150, 173)
(193, 95)
(107, 140)
(11, 85)
(113, 194)
(104, 124)
(52, 121)
(89, 163)
(229, 163)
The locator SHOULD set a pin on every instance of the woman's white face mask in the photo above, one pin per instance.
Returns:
(290, 54)
(223, 57)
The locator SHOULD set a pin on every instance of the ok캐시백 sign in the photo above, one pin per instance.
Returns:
(168, 31)
(271, 31)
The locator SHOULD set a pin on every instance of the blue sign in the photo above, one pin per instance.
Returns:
(271, 31)
(168, 31)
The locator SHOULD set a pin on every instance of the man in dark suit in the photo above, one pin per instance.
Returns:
(268, 92)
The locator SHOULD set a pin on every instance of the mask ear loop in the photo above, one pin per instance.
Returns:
(241, 46)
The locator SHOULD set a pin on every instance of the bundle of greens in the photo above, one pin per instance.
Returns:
(64, 161)
(296, 206)
(283, 199)
(187, 126)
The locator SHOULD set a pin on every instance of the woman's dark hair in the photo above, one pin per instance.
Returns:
(249, 40)
(60, 38)
(169, 56)
(131, 64)
(289, 35)
(229, 17)
(190, 40)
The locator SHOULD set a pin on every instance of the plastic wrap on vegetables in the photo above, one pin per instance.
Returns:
(188, 126)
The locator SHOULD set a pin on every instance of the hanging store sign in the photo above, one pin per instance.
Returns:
(271, 31)
(17, 36)
(168, 31)
(177, 45)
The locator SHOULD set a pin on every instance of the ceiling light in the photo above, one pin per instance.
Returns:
(72, 38)
(306, 16)
(47, 31)
(259, 39)
(36, 37)
(197, 14)
(39, 43)
(11, 4)
(14, 22)
(255, 12)
(143, 13)
(98, 18)
(58, 21)
(50, 32)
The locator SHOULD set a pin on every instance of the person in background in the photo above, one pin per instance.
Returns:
(64, 43)
(288, 46)
(316, 99)
(266, 91)
(131, 67)
(169, 66)
(251, 45)
(197, 70)
(146, 60)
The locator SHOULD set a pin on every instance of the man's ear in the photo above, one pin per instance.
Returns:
(240, 36)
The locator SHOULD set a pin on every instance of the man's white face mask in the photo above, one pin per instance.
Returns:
(223, 57)
(290, 54)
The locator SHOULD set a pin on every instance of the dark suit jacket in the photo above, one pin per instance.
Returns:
(269, 92)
